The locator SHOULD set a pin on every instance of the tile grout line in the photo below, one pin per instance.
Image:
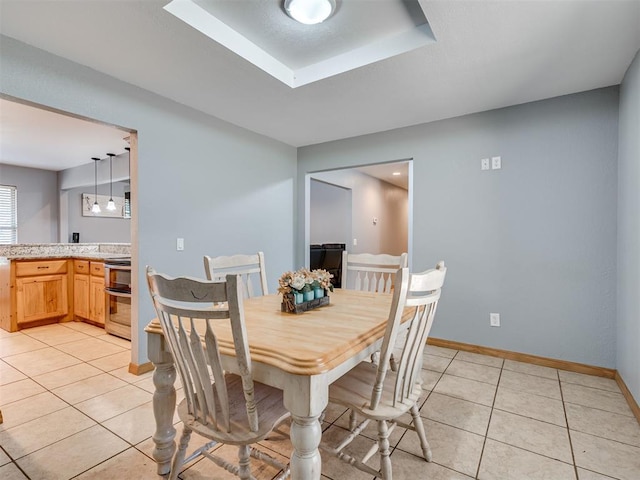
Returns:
(14, 462)
(566, 420)
(486, 433)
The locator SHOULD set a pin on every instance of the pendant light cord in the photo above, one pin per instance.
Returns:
(95, 183)
(110, 178)
(111, 155)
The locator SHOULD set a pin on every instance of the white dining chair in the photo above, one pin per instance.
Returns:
(247, 266)
(382, 394)
(371, 272)
(221, 406)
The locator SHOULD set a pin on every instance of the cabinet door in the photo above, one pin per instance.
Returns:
(42, 297)
(81, 295)
(97, 300)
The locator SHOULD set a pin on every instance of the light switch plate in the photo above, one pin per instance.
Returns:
(180, 244)
(484, 164)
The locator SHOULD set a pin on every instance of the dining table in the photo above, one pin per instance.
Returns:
(301, 354)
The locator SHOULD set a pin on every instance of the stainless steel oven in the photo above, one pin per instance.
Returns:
(117, 286)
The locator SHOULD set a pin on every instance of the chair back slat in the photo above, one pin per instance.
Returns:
(421, 291)
(171, 337)
(188, 310)
(373, 272)
(204, 405)
(247, 266)
(215, 362)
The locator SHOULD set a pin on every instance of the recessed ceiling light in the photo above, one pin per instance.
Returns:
(309, 12)
(396, 174)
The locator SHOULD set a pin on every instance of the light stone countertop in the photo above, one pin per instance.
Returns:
(54, 256)
(87, 251)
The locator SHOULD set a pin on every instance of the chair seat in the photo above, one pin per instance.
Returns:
(268, 402)
(353, 390)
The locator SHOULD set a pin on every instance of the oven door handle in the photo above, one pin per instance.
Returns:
(126, 268)
(115, 293)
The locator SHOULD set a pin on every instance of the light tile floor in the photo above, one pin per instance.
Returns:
(72, 410)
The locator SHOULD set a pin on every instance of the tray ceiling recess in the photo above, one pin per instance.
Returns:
(356, 34)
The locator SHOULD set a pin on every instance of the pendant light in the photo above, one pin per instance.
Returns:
(111, 205)
(95, 208)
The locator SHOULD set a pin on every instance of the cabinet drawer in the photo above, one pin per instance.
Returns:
(97, 269)
(81, 266)
(45, 267)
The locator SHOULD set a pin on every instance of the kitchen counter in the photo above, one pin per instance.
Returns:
(43, 283)
(81, 251)
(75, 256)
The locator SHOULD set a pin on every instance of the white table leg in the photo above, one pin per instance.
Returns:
(306, 399)
(164, 403)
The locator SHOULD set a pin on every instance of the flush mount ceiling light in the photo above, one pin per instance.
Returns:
(309, 12)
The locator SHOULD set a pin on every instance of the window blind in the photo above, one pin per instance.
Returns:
(8, 215)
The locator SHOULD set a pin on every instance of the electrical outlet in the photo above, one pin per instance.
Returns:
(494, 319)
(484, 164)
(496, 163)
(180, 244)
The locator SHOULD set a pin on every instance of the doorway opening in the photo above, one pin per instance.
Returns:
(362, 209)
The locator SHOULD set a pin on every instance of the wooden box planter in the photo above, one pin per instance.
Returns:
(288, 303)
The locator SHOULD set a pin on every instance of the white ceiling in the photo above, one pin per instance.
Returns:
(298, 54)
(487, 54)
(396, 173)
(37, 138)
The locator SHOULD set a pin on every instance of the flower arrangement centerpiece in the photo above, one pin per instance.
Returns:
(304, 289)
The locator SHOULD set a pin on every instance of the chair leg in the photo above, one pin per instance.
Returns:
(353, 419)
(244, 463)
(383, 440)
(178, 458)
(419, 428)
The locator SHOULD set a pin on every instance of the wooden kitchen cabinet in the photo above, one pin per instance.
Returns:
(89, 297)
(33, 292)
(97, 297)
(81, 287)
(41, 297)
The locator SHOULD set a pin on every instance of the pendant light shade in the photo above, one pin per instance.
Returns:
(95, 208)
(111, 205)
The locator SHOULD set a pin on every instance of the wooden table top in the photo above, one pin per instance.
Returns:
(313, 342)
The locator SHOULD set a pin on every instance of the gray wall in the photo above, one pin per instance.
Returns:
(371, 198)
(97, 229)
(83, 175)
(534, 241)
(37, 200)
(628, 325)
(222, 188)
(330, 213)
